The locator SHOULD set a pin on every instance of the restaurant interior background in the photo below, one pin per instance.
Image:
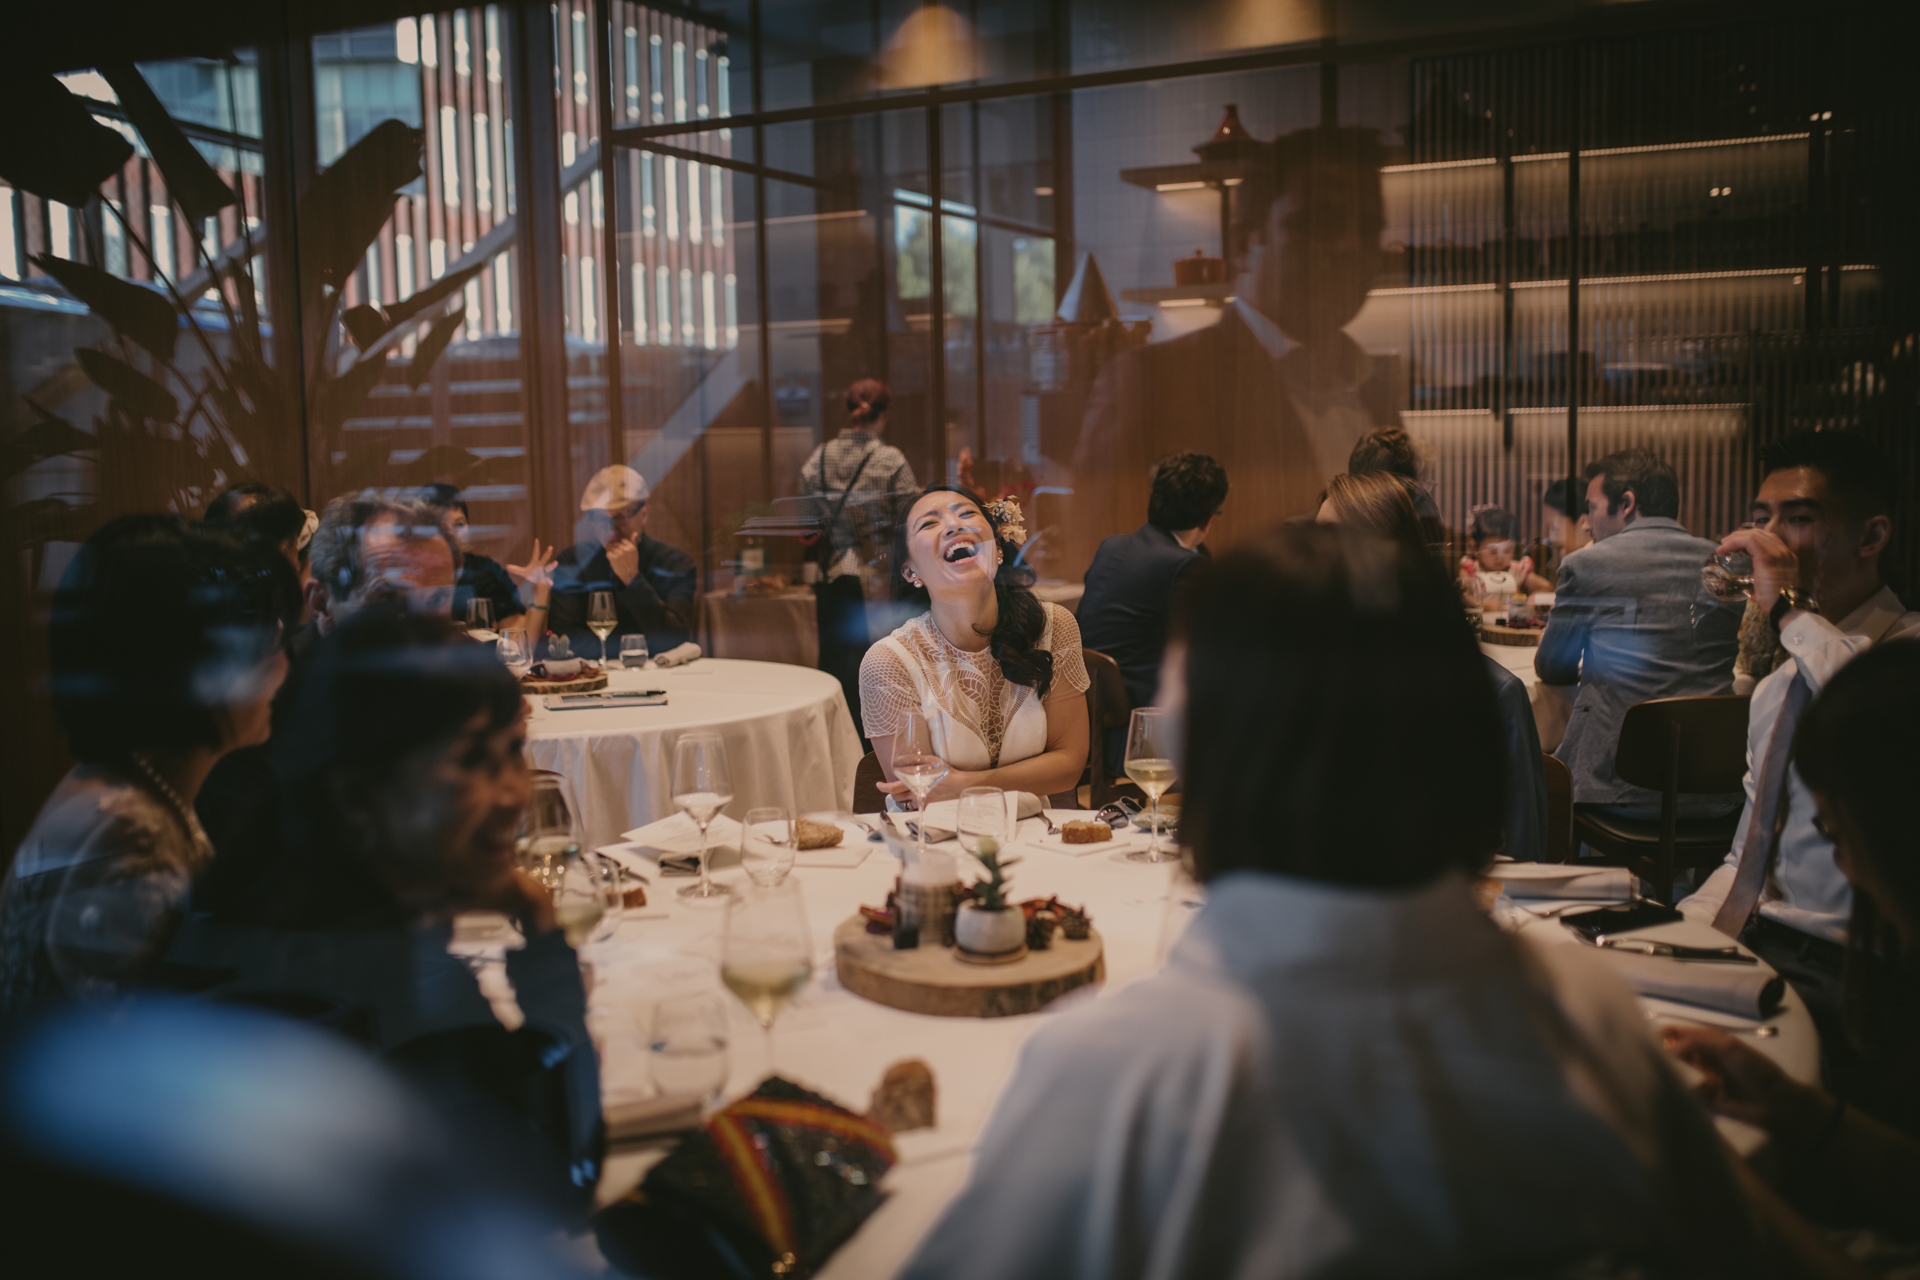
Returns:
(404, 245)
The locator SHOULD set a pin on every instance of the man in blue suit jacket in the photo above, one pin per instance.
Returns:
(1130, 587)
(1631, 621)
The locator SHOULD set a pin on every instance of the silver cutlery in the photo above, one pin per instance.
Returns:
(1051, 829)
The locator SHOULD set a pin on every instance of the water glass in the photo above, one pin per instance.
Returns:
(983, 816)
(687, 1046)
(633, 652)
(767, 846)
(512, 648)
(479, 614)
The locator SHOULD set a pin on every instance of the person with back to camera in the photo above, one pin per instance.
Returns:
(855, 486)
(1344, 1067)
(1631, 621)
(1383, 503)
(101, 881)
(1131, 583)
(997, 673)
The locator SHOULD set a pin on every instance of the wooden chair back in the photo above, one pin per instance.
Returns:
(1680, 746)
(1559, 809)
(1108, 708)
(869, 775)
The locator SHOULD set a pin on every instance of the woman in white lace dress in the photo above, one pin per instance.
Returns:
(997, 673)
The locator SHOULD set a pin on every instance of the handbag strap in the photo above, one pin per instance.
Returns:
(847, 492)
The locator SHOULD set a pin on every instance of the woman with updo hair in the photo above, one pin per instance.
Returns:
(997, 673)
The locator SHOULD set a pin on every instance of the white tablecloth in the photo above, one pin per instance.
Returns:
(839, 1044)
(1552, 703)
(789, 737)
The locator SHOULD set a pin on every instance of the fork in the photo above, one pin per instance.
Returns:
(1051, 829)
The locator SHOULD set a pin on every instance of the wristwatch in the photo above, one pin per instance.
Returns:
(1792, 598)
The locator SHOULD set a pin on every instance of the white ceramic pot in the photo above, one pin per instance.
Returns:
(990, 933)
(563, 668)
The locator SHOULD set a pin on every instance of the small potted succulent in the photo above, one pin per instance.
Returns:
(988, 926)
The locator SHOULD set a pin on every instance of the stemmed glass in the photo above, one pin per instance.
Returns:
(766, 956)
(982, 816)
(511, 646)
(586, 901)
(767, 845)
(479, 614)
(702, 787)
(916, 764)
(601, 619)
(688, 1039)
(549, 830)
(1149, 763)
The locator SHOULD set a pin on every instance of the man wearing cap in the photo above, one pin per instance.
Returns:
(652, 583)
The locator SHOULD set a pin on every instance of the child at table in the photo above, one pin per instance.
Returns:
(1489, 560)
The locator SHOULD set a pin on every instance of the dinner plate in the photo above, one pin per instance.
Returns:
(1122, 842)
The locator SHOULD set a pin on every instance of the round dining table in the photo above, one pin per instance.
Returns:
(790, 742)
(839, 1044)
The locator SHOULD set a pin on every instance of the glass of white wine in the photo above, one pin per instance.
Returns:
(1149, 764)
(916, 764)
(601, 619)
(766, 954)
(702, 787)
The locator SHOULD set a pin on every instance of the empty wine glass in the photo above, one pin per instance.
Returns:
(982, 815)
(1149, 763)
(580, 899)
(548, 824)
(687, 1044)
(916, 764)
(512, 648)
(601, 619)
(767, 845)
(702, 787)
(479, 614)
(766, 954)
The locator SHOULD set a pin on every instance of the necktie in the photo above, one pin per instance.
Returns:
(1771, 800)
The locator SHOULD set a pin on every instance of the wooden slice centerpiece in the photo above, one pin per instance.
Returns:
(935, 980)
(585, 682)
(1501, 633)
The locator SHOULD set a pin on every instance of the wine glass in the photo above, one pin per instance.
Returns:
(549, 829)
(916, 764)
(767, 846)
(687, 1040)
(702, 787)
(766, 956)
(1149, 763)
(479, 614)
(512, 648)
(580, 899)
(982, 816)
(601, 619)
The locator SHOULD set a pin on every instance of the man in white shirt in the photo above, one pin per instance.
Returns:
(1822, 524)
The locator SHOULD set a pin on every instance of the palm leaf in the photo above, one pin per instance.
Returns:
(134, 390)
(53, 146)
(339, 398)
(134, 311)
(365, 325)
(51, 436)
(428, 352)
(190, 179)
(345, 207)
(440, 290)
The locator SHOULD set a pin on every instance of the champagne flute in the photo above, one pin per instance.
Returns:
(702, 787)
(601, 619)
(1149, 763)
(766, 956)
(916, 764)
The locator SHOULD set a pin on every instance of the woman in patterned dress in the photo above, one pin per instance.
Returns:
(997, 673)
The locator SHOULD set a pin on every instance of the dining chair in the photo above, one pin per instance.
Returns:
(1560, 845)
(1108, 708)
(1676, 746)
(865, 779)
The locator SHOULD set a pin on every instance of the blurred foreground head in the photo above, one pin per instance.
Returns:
(1340, 724)
(370, 548)
(230, 1143)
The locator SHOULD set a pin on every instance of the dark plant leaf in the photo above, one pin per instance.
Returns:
(136, 392)
(428, 352)
(190, 179)
(135, 311)
(241, 278)
(52, 145)
(345, 207)
(448, 462)
(440, 290)
(340, 398)
(50, 520)
(365, 325)
(50, 437)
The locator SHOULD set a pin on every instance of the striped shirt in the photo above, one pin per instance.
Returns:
(879, 498)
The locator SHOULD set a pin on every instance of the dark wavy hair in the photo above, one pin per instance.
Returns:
(1301, 643)
(1014, 639)
(1188, 490)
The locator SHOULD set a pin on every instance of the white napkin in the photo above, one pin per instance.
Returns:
(1750, 990)
(1124, 841)
(678, 834)
(678, 656)
(1557, 880)
(942, 818)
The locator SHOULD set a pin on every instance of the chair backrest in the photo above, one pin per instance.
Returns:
(1711, 735)
(1108, 707)
(1559, 809)
(865, 779)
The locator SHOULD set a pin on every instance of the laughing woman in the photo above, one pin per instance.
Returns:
(996, 672)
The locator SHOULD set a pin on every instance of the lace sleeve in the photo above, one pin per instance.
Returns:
(1069, 668)
(887, 693)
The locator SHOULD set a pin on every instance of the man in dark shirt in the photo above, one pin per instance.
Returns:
(653, 584)
(1130, 587)
(477, 577)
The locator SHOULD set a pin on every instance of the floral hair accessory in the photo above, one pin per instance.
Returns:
(1008, 521)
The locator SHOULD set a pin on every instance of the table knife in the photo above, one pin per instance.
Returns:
(1646, 947)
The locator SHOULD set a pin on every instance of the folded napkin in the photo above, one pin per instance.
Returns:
(679, 656)
(941, 820)
(1568, 883)
(1750, 990)
(679, 835)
